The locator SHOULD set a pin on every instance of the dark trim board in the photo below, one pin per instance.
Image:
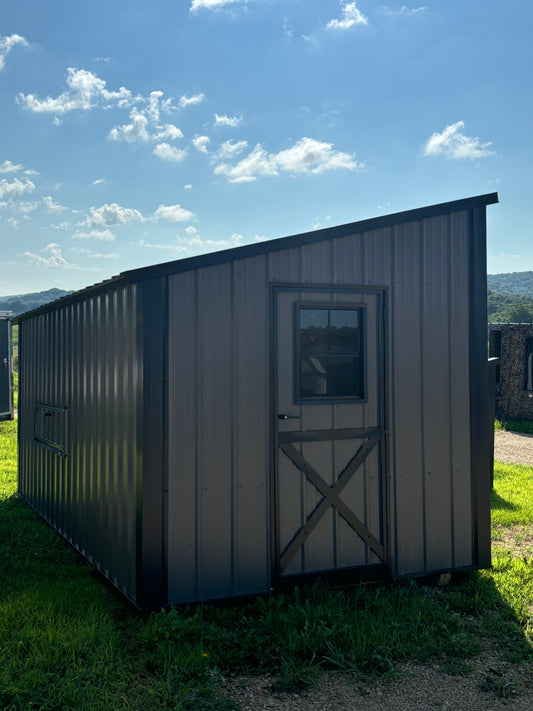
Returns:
(480, 406)
(152, 486)
(346, 577)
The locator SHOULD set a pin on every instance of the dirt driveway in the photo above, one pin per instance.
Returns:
(513, 447)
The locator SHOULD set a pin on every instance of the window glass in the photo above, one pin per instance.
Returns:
(314, 330)
(343, 335)
(330, 363)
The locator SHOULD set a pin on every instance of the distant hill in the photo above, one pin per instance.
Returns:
(510, 297)
(26, 302)
(513, 283)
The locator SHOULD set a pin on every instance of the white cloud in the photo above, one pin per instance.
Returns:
(192, 243)
(350, 16)
(169, 153)
(105, 235)
(49, 257)
(16, 188)
(321, 223)
(404, 10)
(187, 187)
(85, 91)
(98, 181)
(201, 143)
(8, 167)
(452, 143)
(212, 4)
(230, 149)
(26, 207)
(62, 226)
(191, 100)
(288, 29)
(153, 110)
(145, 124)
(111, 214)
(6, 45)
(173, 213)
(52, 206)
(232, 121)
(256, 163)
(134, 132)
(306, 156)
(89, 254)
(168, 131)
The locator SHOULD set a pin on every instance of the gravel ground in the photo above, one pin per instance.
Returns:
(416, 687)
(513, 447)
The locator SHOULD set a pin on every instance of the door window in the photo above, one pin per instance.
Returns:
(330, 353)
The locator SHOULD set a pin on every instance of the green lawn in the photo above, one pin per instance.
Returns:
(69, 641)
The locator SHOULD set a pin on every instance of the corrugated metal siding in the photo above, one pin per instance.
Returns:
(83, 356)
(429, 396)
(218, 535)
(220, 413)
(424, 264)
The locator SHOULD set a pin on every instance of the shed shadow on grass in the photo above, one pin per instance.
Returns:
(501, 504)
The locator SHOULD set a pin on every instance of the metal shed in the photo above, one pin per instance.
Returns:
(312, 405)
(6, 369)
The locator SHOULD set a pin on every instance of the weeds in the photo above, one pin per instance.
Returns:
(514, 426)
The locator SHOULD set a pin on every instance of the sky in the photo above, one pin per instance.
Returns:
(134, 133)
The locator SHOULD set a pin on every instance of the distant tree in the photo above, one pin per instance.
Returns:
(514, 313)
(514, 283)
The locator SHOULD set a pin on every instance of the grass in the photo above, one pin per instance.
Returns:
(514, 426)
(69, 641)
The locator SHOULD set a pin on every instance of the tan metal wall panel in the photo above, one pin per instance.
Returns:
(251, 454)
(436, 394)
(215, 473)
(405, 410)
(219, 528)
(82, 356)
(429, 395)
(285, 265)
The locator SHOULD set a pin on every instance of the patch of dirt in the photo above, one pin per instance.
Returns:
(416, 687)
(517, 539)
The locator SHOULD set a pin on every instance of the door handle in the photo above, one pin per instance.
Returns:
(288, 417)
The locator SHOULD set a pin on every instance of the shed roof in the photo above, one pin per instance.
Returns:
(252, 250)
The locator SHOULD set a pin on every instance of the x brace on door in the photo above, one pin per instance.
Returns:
(330, 493)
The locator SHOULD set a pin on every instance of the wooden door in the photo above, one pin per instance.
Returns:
(329, 424)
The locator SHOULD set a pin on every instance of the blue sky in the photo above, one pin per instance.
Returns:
(133, 133)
